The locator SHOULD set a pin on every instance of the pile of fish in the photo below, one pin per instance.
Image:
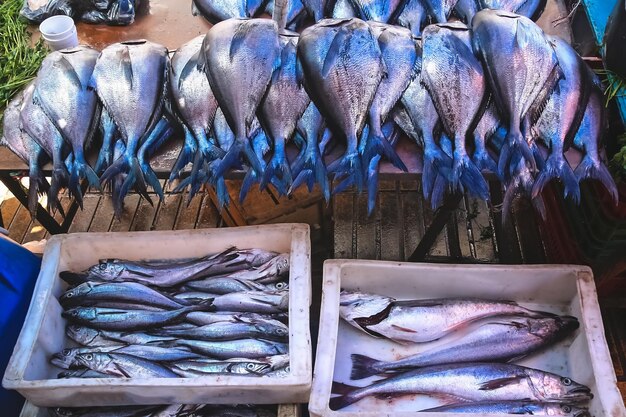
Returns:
(174, 410)
(412, 14)
(499, 96)
(110, 12)
(220, 314)
(470, 365)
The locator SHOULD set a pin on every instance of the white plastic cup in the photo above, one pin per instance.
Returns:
(59, 32)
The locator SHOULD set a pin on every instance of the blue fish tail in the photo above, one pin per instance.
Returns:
(348, 165)
(484, 161)
(250, 179)
(557, 167)
(440, 187)
(472, 179)
(306, 176)
(514, 141)
(186, 155)
(223, 198)
(150, 177)
(372, 184)
(379, 145)
(592, 170)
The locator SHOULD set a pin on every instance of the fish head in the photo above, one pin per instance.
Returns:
(551, 387)
(281, 262)
(565, 410)
(94, 360)
(555, 327)
(81, 314)
(66, 359)
(81, 334)
(274, 328)
(78, 291)
(279, 286)
(107, 270)
(356, 305)
(257, 368)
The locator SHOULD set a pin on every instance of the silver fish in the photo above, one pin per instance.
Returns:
(470, 382)
(455, 80)
(242, 348)
(83, 373)
(62, 90)
(129, 320)
(202, 318)
(67, 358)
(225, 285)
(343, 9)
(420, 321)
(343, 66)
(240, 56)
(87, 336)
(514, 407)
(272, 271)
(209, 366)
(253, 302)
(122, 292)
(466, 9)
(124, 366)
(497, 339)
(378, 11)
(233, 330)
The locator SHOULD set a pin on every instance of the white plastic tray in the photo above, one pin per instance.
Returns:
(43, 333)
(584, 357)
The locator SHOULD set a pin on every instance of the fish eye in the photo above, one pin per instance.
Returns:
(566, 409)
(65, 352)
(280, 285)
(250, 366)
(566, 381)
(89, 356)
(69, 294)
(281, 331)
(288, 369)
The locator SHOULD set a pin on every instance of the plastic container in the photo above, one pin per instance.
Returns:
(43, 334)
(584, 356)
(59, 32)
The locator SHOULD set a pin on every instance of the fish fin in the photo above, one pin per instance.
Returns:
(260, 300)
(372, 184)
(250, 179)
(472, 179)
(374, 318)
(589, 169)
(205, 305)
(71, 71)
(337, 403)
(334, 51)
(513, 141)
(521, 33)
(186, 155)
(126, 65)
(239, 36)
(438, 192)
(419, 303)
(363, 366)
(557, 167)
(299, 72)
(278, 164)
(379, 145)
(194, 9)
(403, 329)
(223, 197)
(342, 389)
(500, 382)
(121, 370)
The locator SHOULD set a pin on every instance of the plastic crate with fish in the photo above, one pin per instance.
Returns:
(442, 339)
(163, 367)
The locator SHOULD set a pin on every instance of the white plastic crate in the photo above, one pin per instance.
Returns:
(584, 357)
(43, 333)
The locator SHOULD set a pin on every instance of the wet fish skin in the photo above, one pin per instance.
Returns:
(455, 80)
(123, 292)
(217, 11)
(378, 11)
(26, 148)
(531, 9)
(108, 131)
(233, 330)
(253, 302)
(83, 373)
(439, 10)
(62, 90)
(67, 358)
(203, 318)
(242, 348)
(486, 127)
(129, 320)
(343, 9)
(124, 366)
(250, 49)
(231, 366)
(514, 407)
(413, 16)
(466, 9)
(420, 321)
(271, 271)
(342, 53)
(497, 339)
(87, 336)
(471, 382)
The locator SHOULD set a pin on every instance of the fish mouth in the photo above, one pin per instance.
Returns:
(56, 360)
(582, 413)
(579, 394)
(569, 323)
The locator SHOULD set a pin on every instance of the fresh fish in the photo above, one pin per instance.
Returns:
(589, 139)
(240, 56)
(439, 10)
(125, 411)
(67, 358)
(560, 120)
(343, 66)
(26, 148)
(272, 271)
(109, 134)
(224, 285)
(466, 9)
(210, 366)
(400, 58)
(378, 11)
(87, 336)
(317, 9)
(486, 127)
(203, 318)
(83, 373)
(281, 108)
(413, 16)
(253, 302)
(129, 320)
(420, 321)
(197, 107)
(129, 292)
(497, 339)
(130, 79)
(522, 69)
(217, 11)
(62, 90)
(233, 330)
(242, 348)
(280, 372)
(343, 9)
(470, 382)
(514, 407)
(293, 15)
(529, 8)
(455, 80)
(124, 366)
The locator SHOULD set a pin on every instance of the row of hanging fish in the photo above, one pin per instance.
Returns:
(174, 410)
(501, 96)
(223, 314)
(110, 12)
(460, 351)
(412, 14)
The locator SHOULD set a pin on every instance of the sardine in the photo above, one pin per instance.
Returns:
(514, 407)
(522, 69)
(125, 292)
(240, 57)
(130, 79)
(62, 90)
(281, 108)
(124, 366)
(343, 66)
(242, 348)
(497, 339)
(455, 80)
(420, 321)
(129, 320)
(470, 382)
(233, 330)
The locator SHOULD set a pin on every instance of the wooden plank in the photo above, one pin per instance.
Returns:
(209, 216)
(36, 232)
(508, 243)
(528, 233)
(165, 218)
(66, 203)
(9, 208)
(144, 217)
(482, 229)
(103, 216)
(368, 237)
(344, 225)
(391, 230)
(413, 230)
(125, 221)
(188, 213)
(19, 226)
(83, 218)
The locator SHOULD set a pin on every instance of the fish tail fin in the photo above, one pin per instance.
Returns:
(138, 179)
(337, 403)
(435, 162)
(589, 169)
(514, 141)
(250, 179)
(310, 169)
(305, 176)
(205, 305)
(278, 167)
(186, 155)
(223, 198)
(363, 366)
(81, 169)
(348, 165)
(557, 167)
(509, 196)
(372, 184)
(484, 161)
(150, 177)
(105, 157)
(119, 166)
(438, 192)
(377, 144)
(36, 179)
(472, 179)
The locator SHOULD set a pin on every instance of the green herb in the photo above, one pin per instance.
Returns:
(19, 59)
(618, 163)
(616, 85)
